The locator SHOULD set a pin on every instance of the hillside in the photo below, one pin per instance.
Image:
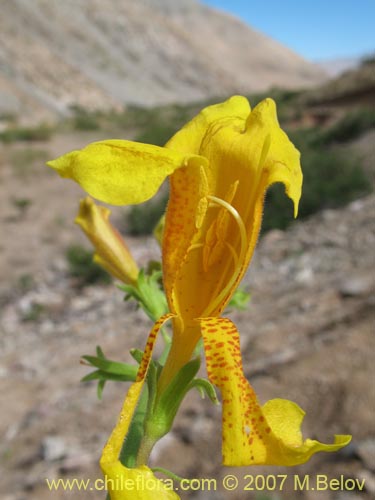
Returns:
(55, 55)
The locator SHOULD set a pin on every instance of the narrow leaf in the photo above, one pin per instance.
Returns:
(205, 388)
(113, 367)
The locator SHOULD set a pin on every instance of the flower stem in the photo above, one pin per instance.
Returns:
(144, 450)
(128, 455)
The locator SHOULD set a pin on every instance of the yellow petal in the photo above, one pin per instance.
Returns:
(279, 159)
(188, 203)
(285, 419)
(111, 251)
(254, 156)
(189, 138)
(206, 252)
(268, 435)
(188, 187)
(121, 172)
(139, 483)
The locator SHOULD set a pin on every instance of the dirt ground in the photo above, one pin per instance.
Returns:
(308, 336)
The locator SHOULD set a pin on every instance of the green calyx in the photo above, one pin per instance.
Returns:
(148, 293)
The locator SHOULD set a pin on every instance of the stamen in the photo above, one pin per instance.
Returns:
(195, 246)
(201, 212)
(234, 254)
(238, 261)
(231, 248)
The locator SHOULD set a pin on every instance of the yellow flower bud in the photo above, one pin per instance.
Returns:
(111, 252)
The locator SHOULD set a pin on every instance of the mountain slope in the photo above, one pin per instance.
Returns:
(101, 54)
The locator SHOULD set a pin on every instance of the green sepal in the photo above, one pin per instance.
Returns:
(205, 387)
(148, 294)
(136, 354)
(128, 455)
(155, 266)
(166, 406)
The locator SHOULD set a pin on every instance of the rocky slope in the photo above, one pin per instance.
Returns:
(95, 54)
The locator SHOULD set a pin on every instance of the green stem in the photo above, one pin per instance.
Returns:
(145, 449)
(168, 473)
(128, 455)
(147, 443)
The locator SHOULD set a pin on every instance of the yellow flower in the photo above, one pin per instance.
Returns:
(111, 251)
(215, 210)
(220, 166)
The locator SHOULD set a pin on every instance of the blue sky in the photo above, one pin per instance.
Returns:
(316, 29)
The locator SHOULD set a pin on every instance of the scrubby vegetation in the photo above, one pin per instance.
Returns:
(83, 268)
(331, 179)
(142, 219)
(23, 160)
(41, 132)
(86, 120)
(348, 128)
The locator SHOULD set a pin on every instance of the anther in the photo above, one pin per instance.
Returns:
(239, 260)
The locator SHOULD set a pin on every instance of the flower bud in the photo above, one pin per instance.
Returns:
(111, 251)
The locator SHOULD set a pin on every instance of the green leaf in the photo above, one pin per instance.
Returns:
(129, 372)
(148, 293)
(132, 441)
(205, 388)
(100, 388)
(166, 406)
(99, 352)
(108, 370)
(92, 376)
(152, 382)
(137, 355)
(99, 374)
(169, 474)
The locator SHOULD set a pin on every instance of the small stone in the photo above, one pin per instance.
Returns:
(356, 286)
(305, 276)
(356, 205)
(53, 448)
(77, 461)
(47, 327)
